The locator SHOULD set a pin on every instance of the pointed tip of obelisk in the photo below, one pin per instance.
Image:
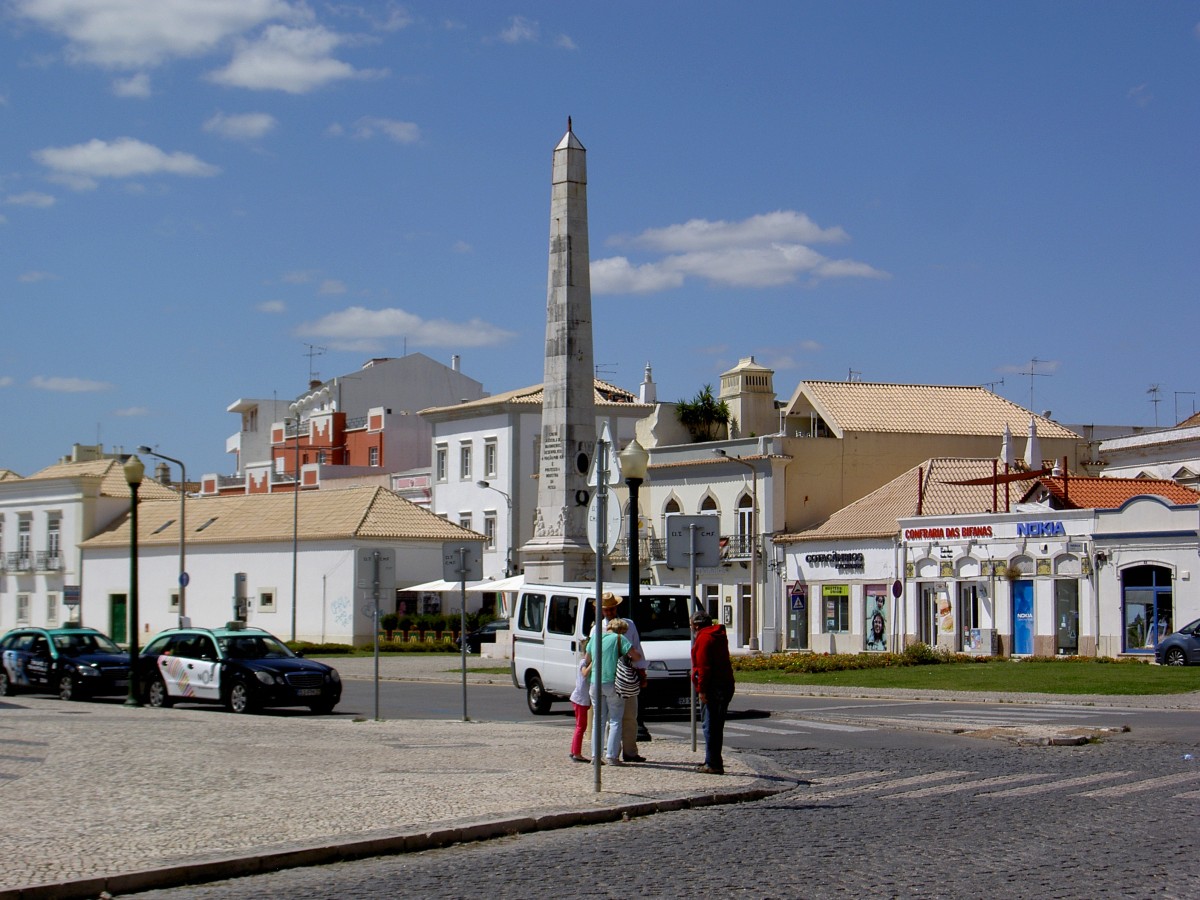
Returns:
(569, 141)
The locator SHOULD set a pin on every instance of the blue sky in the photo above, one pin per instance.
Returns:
(194, 192)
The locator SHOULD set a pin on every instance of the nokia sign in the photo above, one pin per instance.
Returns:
(1041, 529)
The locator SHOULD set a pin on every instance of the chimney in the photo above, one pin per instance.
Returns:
(454, 362)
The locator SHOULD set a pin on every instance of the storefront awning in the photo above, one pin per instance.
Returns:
(441, 585)
(514, 583)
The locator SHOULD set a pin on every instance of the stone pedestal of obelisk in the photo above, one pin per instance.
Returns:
(559, 549)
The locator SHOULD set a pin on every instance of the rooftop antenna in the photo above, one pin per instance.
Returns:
(1154, 390)
(1032, 373)
(605, 371)
(850, 375)
(1187, 394)
(313, 351)
(992, 385)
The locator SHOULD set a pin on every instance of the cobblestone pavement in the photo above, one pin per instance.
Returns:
(170, 796)
(97, 790)
(966, 818)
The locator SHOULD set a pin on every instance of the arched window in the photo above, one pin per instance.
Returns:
(708, 504)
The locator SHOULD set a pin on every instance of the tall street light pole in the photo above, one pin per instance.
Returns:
(753, 544)
(183, 575)
(295, 519)
(634, 461)
(134, 472)
(487, 486)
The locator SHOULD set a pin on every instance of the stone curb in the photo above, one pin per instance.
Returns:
(400, 842)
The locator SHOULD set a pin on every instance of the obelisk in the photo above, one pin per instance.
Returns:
(559, 549)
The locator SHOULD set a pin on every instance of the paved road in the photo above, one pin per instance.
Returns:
(962, 817)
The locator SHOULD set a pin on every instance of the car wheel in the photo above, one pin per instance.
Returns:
(535, 695)
(1175, 657)
(156, 694)
(6, 687)
(324, 708)
(67, 688)
(240, 698)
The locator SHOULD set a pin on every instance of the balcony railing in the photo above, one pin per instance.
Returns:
(737, 546)
(19, 561)
(49, 562)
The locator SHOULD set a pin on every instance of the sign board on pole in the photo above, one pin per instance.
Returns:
(613, 463)
(460, 566)
(375, 571)
(613, 519)
(679, 540)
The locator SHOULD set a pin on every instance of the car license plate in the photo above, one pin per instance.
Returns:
(308, 692)
(121, 682)
(683, 701)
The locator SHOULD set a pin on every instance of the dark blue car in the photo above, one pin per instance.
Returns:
(72, 662)
(1181, 648)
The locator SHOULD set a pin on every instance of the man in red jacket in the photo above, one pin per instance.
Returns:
(713, 676)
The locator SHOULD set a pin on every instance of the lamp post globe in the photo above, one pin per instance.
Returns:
(634, 462)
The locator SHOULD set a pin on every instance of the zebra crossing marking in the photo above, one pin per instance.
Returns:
(889, 785)
(1063, 784)
(939, 789)
(1150, 784)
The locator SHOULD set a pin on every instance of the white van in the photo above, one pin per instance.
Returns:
(551, 621)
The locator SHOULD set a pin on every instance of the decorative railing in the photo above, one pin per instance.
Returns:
(49, 562)
(19, 561)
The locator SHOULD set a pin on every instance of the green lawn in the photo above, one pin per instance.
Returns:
(1026, 676)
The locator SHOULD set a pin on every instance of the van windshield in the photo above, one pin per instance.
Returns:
(658, 618)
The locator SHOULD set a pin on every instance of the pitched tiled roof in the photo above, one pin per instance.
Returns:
(605, 395)
(372, 513)
(112, 475)
(922, 490)
(1108, 493)
(8, 475)
(918, 409)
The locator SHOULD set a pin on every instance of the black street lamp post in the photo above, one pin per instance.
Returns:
(183, 576)
(134, 471)
(634, 460)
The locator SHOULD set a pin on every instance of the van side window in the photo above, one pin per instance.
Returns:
(533, 608)
(562, 614)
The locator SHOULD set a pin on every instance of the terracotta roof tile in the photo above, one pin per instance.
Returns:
(112, 475)
(922, 490)
(1109, 493)
(917, 409)
(370, 512)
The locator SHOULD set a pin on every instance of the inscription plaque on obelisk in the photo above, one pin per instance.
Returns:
(559, 549)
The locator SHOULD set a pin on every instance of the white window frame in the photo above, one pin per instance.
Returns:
(267, 601)
(173, 602)
(491, 453)
(441, 456)
(22, 609)
(53, 604)
(464, 520)
(373, 456)
(464, 461)
(490, 526)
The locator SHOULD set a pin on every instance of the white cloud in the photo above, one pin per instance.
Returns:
(520, 30)
(331, 286)
(463, 247)
(357, 328)
(761, 251)
(68, 385)
(272, 306)
(392, 17)
(295, 60)
(127, 34)
(368, 126)
(617, 275)
(241, 126)
(701, 234)
(6, 381)
(1140, 95)
(137, 86)
(31, 198)
(564, 42)
(298, 276)
(35, 276)
(80, 165)
(131, 412)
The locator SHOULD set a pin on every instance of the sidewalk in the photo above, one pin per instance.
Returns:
(100, 797)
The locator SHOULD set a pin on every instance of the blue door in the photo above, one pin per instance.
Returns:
(1022, 618)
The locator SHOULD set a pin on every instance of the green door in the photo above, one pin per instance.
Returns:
(117, 618)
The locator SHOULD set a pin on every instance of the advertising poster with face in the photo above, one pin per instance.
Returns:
(876, 610)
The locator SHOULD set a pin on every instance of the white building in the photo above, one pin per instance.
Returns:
(43, 519)
(496, 440)
(247, 553)
(1062, 566)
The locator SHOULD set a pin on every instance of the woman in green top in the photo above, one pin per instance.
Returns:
(613, 645)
